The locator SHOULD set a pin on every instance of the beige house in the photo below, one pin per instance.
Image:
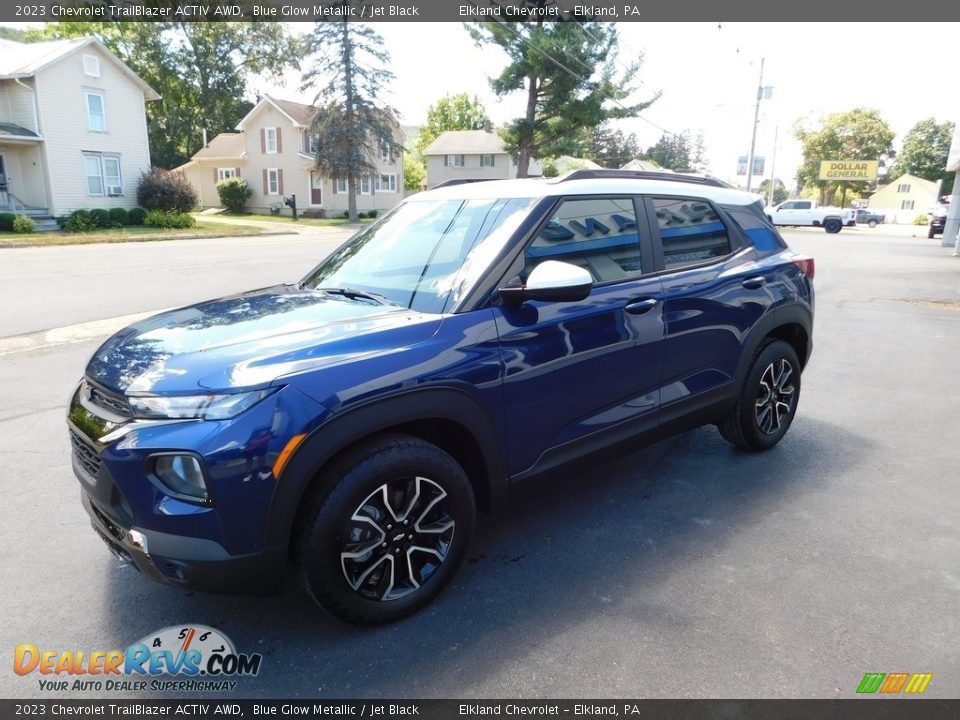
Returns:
(470, 155)
(905, 198)
(272, 151)
(73, 128)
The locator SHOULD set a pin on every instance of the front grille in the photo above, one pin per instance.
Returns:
(85, 454)
(112, 402)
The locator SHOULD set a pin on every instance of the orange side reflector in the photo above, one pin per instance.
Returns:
(285, 454)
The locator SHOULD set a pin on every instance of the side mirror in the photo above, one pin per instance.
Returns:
(551, 280)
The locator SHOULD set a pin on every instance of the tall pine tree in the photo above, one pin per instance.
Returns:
(567, 70)
(351, 125)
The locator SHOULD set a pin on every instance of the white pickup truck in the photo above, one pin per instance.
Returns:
(810, 213)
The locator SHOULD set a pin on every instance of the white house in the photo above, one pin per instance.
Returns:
(272, 151)
(470, 155)
(73, 128)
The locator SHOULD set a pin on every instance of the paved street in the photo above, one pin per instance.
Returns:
(686, 569)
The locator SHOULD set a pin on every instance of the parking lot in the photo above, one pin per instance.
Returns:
(685, 569)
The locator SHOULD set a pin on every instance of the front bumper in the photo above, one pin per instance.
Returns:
(192, 563)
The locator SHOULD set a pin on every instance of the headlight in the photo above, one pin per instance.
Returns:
(207, 407)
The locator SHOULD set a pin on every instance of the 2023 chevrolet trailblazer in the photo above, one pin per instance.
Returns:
(476, 336)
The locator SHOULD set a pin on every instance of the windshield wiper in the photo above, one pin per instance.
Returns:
(355, 294)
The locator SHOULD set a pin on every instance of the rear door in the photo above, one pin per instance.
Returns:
(715, 288)
(577, 373)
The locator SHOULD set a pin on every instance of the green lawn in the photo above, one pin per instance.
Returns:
(322, 222)
(138, 233)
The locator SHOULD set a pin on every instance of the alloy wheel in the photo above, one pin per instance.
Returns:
(397, 538)
(775, 397)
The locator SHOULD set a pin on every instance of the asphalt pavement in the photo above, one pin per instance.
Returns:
(685, 569)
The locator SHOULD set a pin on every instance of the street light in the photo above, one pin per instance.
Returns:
(762, 92)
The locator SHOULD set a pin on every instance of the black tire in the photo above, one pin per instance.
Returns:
(930, 234)
(759, 421)
(833, 226)
(387, 499)
(872, 223)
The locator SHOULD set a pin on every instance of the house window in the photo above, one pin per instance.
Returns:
(386, 183)
(903, 188)
(365, 185)
(454, 161)
(486, 161)
(273, 181)
(224, 173)
(906, 205)
(341, 188)
(312, 144)
(96, 115)
(270, 139)
(91, 66)
(102, 174)
(385, 153)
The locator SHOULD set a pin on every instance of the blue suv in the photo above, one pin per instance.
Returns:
(475, 337)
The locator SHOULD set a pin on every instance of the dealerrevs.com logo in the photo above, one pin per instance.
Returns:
(200, 657)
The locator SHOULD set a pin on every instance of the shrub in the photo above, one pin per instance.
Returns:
(6, 221)
(372, 214)
(234, 193)
(164, 190)
(80, 221)
(921, 220)
(24, 224)
(346, 215)
(102, 217)
(168, 219)
(118, 217)
(136, 216)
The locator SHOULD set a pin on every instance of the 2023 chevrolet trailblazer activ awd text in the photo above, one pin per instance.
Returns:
(476, 336)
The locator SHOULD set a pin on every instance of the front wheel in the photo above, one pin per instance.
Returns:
(768, 399)
(872, 223)
(833, 226)
(389, 535)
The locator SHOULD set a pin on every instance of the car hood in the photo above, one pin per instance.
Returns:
(250, 340)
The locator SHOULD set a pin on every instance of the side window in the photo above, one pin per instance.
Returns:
(803, 205)
(691, 232)
(597, 234)
(788, 205)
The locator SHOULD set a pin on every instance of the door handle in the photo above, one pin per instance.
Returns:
(754, 283)
(639, 307)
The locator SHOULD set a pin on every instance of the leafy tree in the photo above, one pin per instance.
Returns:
(611, 148)
(15, 34)
(859, 134)
(779, 190)
(671, 152)
(351, 126)
(200, 70)
(452, 112)
(567, 70)
(924, 153)
(414, 173)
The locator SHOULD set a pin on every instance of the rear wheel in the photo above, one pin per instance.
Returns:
(768, 399)
(385, 531)
(872, 223)
(833, 225)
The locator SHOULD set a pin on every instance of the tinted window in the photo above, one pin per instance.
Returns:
(804, 205)
(597, 234)
(691, 231)
(787, 205)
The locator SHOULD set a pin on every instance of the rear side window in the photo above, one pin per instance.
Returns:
(599, 234)
(691, 232)
(752, 220)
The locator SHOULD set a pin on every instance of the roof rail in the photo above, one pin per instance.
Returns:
(595, 174)
(459, 181)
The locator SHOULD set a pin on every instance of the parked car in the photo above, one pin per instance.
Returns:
(938, 220)
(866, 217)
(810, 213)
(474, 338)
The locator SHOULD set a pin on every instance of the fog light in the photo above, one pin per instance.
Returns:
(182, 474)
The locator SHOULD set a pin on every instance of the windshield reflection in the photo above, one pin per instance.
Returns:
(425, 254)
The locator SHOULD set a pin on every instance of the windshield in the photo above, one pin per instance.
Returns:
(425, 254)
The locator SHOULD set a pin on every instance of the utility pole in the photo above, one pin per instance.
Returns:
(753, 136)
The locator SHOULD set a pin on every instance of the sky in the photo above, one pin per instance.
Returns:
(707, 74)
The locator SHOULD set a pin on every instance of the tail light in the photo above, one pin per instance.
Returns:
(806, 264)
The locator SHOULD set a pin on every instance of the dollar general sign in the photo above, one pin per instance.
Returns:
(848, 170)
